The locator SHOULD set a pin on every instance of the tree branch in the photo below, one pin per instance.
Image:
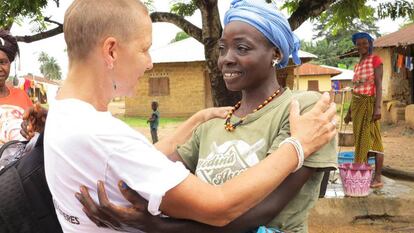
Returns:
(180, 22)
(41, 35)
(47, 19)
(308, 9)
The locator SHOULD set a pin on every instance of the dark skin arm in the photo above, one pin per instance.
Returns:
(152, 118)
(348, 117)
(378, 95)
(136, 217)
(34, 119)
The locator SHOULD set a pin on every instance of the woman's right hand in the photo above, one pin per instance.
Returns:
(347, 118)
(216, 112)
(316, 127)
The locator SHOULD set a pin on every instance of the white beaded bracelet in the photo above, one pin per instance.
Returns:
(299, 150)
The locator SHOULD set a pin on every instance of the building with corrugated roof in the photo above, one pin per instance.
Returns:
(313, 77)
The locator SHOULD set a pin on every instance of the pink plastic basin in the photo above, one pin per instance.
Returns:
(356, 179)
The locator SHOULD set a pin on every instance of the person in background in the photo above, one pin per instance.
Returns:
(365, 109)
(154, 121)
(13, 101)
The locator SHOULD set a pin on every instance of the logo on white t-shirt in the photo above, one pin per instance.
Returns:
(228, 160)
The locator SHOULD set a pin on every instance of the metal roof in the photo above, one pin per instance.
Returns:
(402, 37)
(312, 69)
(344, 75)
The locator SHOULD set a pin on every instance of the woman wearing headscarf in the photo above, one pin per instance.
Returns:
(365, 109)
(13, 101)
(256, 41)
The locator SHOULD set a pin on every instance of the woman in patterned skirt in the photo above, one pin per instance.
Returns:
(365, 110)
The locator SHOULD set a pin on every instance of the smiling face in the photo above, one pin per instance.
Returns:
(363, 46)
(245, 57)
(4, 68)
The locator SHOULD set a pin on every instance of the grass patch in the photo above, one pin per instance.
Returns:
(346, 107)
(142, 121)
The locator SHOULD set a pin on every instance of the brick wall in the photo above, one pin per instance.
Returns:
(186, 91)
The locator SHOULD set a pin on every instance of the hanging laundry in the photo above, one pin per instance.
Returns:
(335, 85)
(394, 62)
(400, 62)
(409, 63)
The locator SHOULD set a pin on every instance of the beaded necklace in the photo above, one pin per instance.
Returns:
(231, 127)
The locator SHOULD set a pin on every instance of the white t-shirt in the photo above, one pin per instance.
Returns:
(82, 146)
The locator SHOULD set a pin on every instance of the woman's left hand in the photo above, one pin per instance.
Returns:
(377, 115)
(210, 113)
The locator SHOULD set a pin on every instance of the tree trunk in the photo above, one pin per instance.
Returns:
(211, 33)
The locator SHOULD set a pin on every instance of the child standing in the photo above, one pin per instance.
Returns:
(154, 121)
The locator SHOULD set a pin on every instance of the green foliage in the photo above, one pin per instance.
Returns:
(328, 52)
(49, 67)
(333, 42)
(397, 9)
(13, 10)
(180, 36)
(344, 14)
(291, 5)
(183, 8)
(346, 108)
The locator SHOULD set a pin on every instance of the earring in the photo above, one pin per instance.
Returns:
(275, 62)
(111, 66)
(114, 84)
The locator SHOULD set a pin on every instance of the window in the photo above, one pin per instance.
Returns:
(313, 85)
(159, 86)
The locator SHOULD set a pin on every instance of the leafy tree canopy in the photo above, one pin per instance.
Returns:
(180, 36)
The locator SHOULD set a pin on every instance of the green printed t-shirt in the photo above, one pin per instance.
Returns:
(216, 155)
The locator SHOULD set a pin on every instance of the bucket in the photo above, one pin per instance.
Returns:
(345, 139)
(348, 157)
(356, 178)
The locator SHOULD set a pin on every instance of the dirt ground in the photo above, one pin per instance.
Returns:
(398, 146)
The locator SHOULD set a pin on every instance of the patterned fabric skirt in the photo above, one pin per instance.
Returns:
(366, 132)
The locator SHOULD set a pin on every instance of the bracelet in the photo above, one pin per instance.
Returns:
(299, 150)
